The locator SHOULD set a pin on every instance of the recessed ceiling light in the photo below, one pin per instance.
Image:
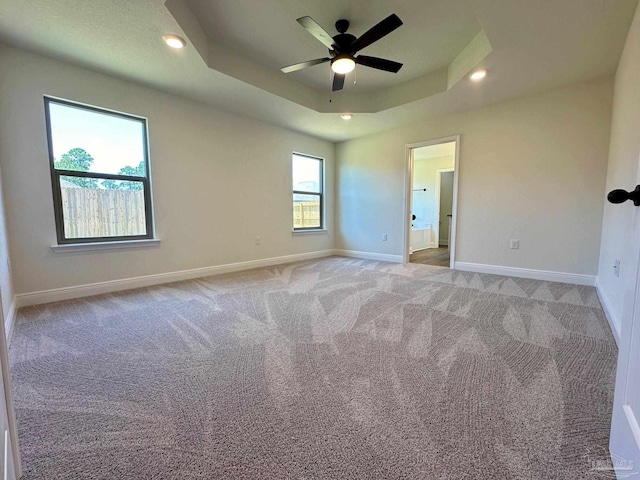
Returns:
(346, 116)
(174, 41)
(478, 75)
(343, 64)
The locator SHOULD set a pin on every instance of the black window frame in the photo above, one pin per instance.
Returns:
(318, 194)
(57, 173)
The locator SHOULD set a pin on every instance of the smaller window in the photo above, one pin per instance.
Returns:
(100, 173)
(308, 197)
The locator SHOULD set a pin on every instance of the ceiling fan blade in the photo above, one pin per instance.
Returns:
(379, 63)
(338, 82)
(301, 65)
(376, 32)
(317, 31)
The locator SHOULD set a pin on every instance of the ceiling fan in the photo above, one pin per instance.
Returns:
(343, 47)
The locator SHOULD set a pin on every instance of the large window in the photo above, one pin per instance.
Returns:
(100, 173)
(308, 198)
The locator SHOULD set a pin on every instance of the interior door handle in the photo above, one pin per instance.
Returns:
(621, 196)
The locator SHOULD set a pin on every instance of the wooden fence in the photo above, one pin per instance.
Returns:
(306, 214)
(90, 212)
(94, 212)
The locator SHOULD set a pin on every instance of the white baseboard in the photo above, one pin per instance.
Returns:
(614, 323)
(573, 278)
(10, 321)
(382, 257)
(67, 293)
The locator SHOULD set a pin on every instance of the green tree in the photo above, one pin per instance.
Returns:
(138, 171)
(78, 160)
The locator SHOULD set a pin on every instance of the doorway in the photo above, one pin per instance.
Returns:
(431, 198)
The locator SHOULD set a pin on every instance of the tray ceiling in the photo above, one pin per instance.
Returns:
(266, 32)
(439, 42)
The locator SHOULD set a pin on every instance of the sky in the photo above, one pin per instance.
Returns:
(113, 142)
(305, 172)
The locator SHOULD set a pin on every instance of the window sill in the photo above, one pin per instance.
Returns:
(309, 232)
(118, 245)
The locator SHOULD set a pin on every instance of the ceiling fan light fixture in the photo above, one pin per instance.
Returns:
(174, 41)
(343, 64)
(478, 75)
(346, 116)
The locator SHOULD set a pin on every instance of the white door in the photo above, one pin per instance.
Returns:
(8, 471)
(9, 459)
(625, 431)
(444, 205)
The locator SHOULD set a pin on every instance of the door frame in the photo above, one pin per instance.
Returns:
(439, 173)
(12, 428)
(624, 439)
(408, 185)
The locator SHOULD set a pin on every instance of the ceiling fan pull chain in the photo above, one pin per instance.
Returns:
(355, 75)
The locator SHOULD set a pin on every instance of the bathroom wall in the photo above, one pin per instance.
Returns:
(425, 206)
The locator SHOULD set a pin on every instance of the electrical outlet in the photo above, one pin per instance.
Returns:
(384, 237)
(515, 244)
(257, 240)
(616, 268)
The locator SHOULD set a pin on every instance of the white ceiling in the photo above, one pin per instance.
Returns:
(537, 45)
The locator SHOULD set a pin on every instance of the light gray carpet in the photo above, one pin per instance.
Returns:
(332, 369)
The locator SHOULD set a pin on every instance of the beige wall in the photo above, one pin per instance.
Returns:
(622, 172)
(219, 180)
(531, 169)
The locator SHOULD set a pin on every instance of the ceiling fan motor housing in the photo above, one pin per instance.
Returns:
(343, 42)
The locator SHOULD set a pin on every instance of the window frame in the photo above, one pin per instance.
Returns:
(57, 173)
(319, 194)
